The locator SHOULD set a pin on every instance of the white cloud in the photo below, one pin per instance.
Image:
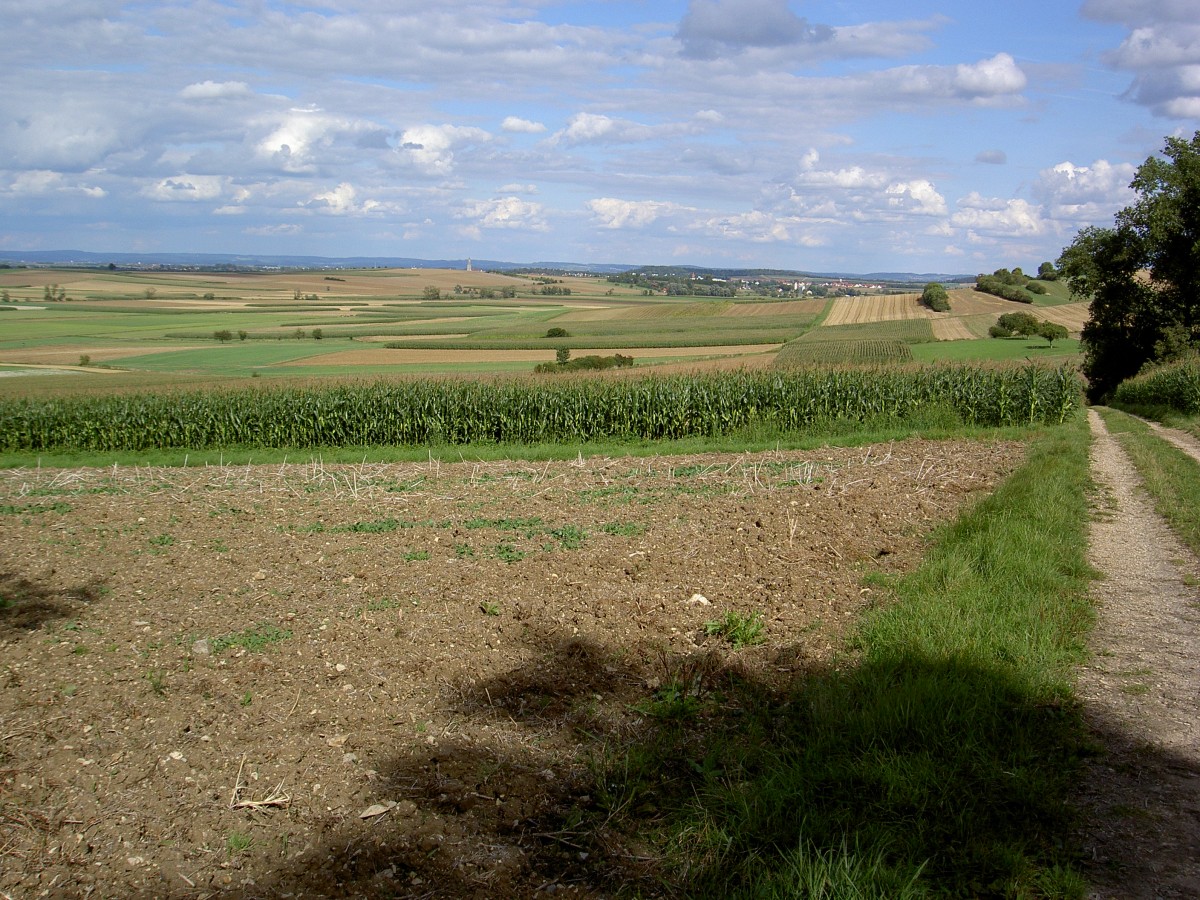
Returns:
(755, 226)
(989, 77)
(505, 212)
(517, 125)
(1162, 50)
(918, 196)
(596, 128)
(44, 181)
(186, 188)
(614, 213)
(997, 216)
(300, 140)
(342, 201)
(430, 148)
(215, 90)
(1084, 194)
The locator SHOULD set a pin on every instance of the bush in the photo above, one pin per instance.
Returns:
(586, 363)
(557, 333)
(1018, 323)
(935, 297)
(998, 287)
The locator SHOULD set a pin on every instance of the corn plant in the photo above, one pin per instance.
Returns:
(528, 411)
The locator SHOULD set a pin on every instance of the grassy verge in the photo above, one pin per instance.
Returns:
(1170, 475)
(937, 760)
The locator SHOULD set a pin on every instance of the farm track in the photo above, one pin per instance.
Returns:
(1141, 693)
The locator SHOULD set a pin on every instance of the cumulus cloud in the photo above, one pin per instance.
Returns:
(44, 181)
(755, 226)
(997, 216)
(299, 139)
(186, 188)
(614, 213)
(918, 196)
(65, 133)
(517, 125)
(594, 128)
(1081, 194)
(430, 148)
(1162, 50)
(505, 212)
(215, 90)
(711, 28)
(342, 201)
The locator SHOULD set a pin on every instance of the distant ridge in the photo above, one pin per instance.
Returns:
(272, 261)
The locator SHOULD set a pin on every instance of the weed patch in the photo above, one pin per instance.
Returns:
(739, 629)
(252, 640)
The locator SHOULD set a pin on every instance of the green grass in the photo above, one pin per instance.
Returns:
(1171, 476)
(935, 760)
(1015, 349)
(739, 629)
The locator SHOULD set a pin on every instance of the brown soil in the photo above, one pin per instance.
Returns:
(388, 680)
(1141, 693)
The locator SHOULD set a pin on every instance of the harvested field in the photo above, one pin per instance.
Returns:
(388, 680)
(955, 329)
(69, 356)
(1072, 316)
(877, 308)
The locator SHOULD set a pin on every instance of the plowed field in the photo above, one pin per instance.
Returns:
(388, 680)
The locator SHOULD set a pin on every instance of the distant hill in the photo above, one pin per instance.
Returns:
(269, 261)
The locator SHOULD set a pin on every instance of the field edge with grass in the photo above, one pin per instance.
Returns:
(939, 759)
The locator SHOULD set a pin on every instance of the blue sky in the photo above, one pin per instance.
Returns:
(866, 136)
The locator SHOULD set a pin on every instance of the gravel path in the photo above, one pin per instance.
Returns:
(1141, 692)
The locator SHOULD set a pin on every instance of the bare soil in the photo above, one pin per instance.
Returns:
(394, 680)
(1141, 693)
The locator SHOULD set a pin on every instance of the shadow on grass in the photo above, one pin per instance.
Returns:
(737, 775)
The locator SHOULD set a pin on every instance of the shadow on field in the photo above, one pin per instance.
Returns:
(737, 774)
(27, 605)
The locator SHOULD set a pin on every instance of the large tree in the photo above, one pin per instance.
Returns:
(1143, 274)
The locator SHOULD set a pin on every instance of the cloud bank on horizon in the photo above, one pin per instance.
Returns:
(763, 133)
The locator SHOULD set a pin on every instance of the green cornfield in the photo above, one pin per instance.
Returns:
(530, 410)
(853, 353)
(1175, 385)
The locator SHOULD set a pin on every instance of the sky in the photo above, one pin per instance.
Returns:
(924, 136)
